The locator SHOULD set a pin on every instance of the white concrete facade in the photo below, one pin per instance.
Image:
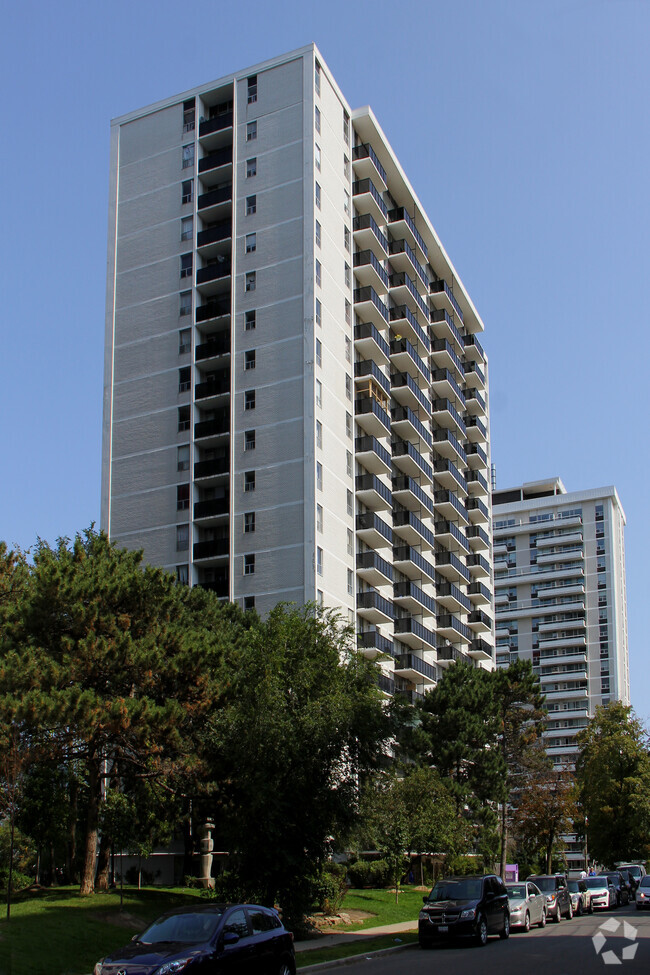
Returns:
(296, 399)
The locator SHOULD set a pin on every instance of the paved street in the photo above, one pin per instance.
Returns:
(559, 949)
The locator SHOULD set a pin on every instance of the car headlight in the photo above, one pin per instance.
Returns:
(469, 913)
(170, 967)
(551, 898)
(423, 916)
(97, 970)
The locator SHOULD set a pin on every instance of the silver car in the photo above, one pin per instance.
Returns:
(642, 895)
(527, 905)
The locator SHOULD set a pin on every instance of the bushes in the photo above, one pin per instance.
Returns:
(370, 873)
(330, 888)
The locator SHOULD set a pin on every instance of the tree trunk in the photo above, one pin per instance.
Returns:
(71, 846)
(549, 852)
(103, 863)
(87, 885)
(504, 839)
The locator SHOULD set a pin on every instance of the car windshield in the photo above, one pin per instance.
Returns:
(634, 871)
(547, 884)
(596, 883)
(573, 886)
(467, 888)
(187, 928)
(644, 882)
(516, 890)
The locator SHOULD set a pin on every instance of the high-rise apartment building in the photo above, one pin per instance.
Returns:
(296, 397)
(559, 561)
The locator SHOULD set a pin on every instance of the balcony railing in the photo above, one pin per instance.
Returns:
(401, 379)
(211, 509)
(444, 497)
(441, 315)
(440, 286)
(211, 549)
(403, 517)
(369, 521)
(362, 186)
(404, 483)
(218, 344)
(371, 640)
(216, 124)
(221, 157)
(366, 330)
(211, 468)
(402, 312)
(406, 553)
(444, 466)
(446, 436)
(450, 591)
(371, 599)
(408, 590)
(221, 195)
(401, 414)
(401, 280)
(371, 560)
(368, 367)
(213, 387)
(214, 234)
(406, 624)
(400, 213)
(408, 661)
(447, 621)
(363, 258)
(367, 404)
(365, 151)
(366, 221)
(365, 445)
(213, 309)
(404, 448)
(369, 482)
(212, 428)
(213, 272)
(442, 345)
(402, 247)
(402, 345)
(368, 293)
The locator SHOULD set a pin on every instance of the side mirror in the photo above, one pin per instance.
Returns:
(230, 938)
(425, 900)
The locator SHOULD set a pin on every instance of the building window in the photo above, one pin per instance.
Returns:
(183, 418)
(317, 78)
(600, 512)
(187, 188)
(319, 312)
(350, 542)
(252, 89)
(346, 202)
(319, 352)
(319, 393)
(251, 131)
(319, 518)
(249, 399)
(318, 234)
(251, 167)
(249, 603)
(319, 274)
(317, 156)
(319, 560)
(319, 434)
(317, 118)
(184, 379)
(348, 425)
(184, 341)
(186, 265)
(318, 195)
(250, 281)
(185, 307)
(346, 238)
(251, 205)
(346, 128)
(350, 582)
(249, 440)
(348, 462)
(182, 497)
(249, 481)
(319, 598)
(348, 275)
(348, 312)
(188, 156)
(251, 243)
(249, 565)
(346, 167)
(348, 386)
(186, 228)
(348, 349)
(350, 498)
(249, 522)
(249, 359)
(249, 321)
(182, 575)
(182, 538)
(183, 458)
(319, 476)
(189, 115)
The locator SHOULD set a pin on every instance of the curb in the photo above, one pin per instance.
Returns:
(350, 959)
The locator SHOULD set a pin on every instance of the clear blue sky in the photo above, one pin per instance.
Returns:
(523, 126)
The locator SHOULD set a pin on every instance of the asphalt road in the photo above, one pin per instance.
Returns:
(558, 949)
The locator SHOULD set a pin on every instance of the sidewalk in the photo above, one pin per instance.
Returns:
(341, 938)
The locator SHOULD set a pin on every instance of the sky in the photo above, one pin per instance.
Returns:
(523, 126)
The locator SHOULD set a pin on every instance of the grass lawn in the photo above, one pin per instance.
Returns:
(318, 955)
(381, 905)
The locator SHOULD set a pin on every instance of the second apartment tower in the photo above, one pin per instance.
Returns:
(295, 391)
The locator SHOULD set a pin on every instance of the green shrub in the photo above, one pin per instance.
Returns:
(370, 873)
(329, 891)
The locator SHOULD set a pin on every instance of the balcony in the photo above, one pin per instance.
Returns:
(477, 565)
(444, 386)
(214, 278)
(448, 506)
(451, 598)
(451, 628)
(213, 309)
(370, 344)
(402, 224)
(480, 650)
(409, 527)
(215, 508)
(414, 634)
(214, 388)
(448, 655)
(474, 376)
(373, 531)
(478, 538)
(406, 392)
(212, 235)
(369, 306)
(412, 668)
(218, 585)
(371, 416)
(216, 467)
(404, 357)
(476, 456)
(410, 563)
(475, 429)
(448, 445)
(368, 199)
(374, 569)
(444, 356)
(372, 455)
(475, 402)
(478, 593)
(450, 567)
(447, 474)
(405, 325)
(409, 494)
(216, 167)
(451, 537)
(373, 493)
(368, 368)
(407, 425)
(443, 297)
(369, 272)
(372, 606)
(385, 684)
(479, 621)
(219, 548)
(217, 426)
(409, 460)
(473, 349)
(217, 124)
(368, 236)
(215, 204)
(372, 644)
(447, 416)
(217, 345)
(476, 483)
(366, 164)
(403, 291)
(403, 258)
(412, 598)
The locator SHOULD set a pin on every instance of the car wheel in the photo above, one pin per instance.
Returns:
(285, 968)
(569, 913)
(591, 908)
(542, 922)
(579, 911)
(505, 933)
(558, 915)
(482, 932)
(527, 922)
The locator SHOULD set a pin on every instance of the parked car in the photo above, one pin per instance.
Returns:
(580, 897)
(208, 939)
(637, 870)
(603, 893)
(527, 905)
(558, 899)
(616, 880)
(473, 907)
(631, 881)
(643, 893)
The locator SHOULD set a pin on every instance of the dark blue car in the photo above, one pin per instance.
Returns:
(245, 939)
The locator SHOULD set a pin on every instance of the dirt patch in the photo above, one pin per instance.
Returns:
(322, 922)
(121, 919)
